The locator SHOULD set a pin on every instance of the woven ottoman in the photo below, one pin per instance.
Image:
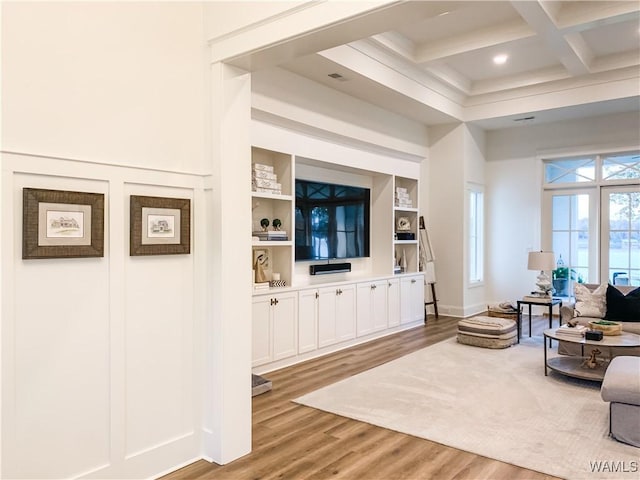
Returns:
(487, 332)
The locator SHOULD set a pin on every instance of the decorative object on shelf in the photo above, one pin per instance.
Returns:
(264, 223)
(159, 225)
(403, 262)
(542, 261)
(403, 224)
(405, 236)
(61, 224)
(261, 265)
(278, 283)
(277, 223)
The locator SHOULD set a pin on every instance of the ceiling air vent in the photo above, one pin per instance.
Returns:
(524, 119)
(337, 76)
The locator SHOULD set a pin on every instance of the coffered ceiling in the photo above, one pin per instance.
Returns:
(563, 59)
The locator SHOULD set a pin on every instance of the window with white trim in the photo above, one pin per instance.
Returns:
(591, 216)
(476, 235)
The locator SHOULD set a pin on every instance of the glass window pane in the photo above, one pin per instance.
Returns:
(619, 211)
(621, 167)
(561, 212)
(561, 246)
(570, 170)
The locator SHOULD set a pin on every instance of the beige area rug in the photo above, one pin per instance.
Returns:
(495, 403)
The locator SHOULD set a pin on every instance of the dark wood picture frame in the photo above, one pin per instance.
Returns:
(159, 226)
(62, 224)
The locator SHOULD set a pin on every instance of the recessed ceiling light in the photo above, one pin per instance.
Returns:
(500, 59)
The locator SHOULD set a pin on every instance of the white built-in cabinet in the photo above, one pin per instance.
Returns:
(275, 327)
(308, 320)
(336, 314)
(411, 298)
(393, 302)
(295, 322)
(372, 310)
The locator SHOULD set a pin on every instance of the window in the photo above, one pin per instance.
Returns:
(591, 217)
(476, 235)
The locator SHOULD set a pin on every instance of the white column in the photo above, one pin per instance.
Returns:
(227, 334)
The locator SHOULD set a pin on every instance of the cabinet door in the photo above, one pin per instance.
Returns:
(364, 314)
(393, 302)
(307, 320)
(261, 331)
(411, 299)
(346, 313)
(284, 334)
(379, 305)
(327, 316)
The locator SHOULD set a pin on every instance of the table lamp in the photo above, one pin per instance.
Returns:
(542, 261)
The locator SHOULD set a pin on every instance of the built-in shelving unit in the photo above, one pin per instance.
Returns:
(271, 199)
(406, 233)
(394, 213)
(300, 317)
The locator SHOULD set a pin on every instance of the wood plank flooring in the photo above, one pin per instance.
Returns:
(292, 441)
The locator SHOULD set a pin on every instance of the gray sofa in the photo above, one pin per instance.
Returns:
(567, 311)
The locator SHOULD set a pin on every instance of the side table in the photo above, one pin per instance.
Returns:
(540, 302)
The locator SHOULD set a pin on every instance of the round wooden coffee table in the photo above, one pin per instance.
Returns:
(572, 365)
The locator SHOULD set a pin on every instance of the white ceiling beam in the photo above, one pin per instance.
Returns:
(396, 43)
(580, 16)
(535, 14)
(470, 41)
(527, 79)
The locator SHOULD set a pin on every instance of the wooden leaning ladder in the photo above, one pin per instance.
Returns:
(427, 265)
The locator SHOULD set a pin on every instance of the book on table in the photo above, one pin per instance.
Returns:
(577, 331)
(536, 299)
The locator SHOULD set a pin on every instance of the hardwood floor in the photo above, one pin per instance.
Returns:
(292, 441)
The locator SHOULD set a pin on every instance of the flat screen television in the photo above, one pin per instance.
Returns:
(332, 221)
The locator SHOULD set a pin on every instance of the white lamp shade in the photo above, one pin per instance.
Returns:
(541, 261)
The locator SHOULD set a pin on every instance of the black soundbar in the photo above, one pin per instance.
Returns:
(324, 268)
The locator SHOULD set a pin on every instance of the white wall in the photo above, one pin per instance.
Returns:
(456, 158)
(110, 82)
(99, 362)
(98, 357)
(445, 218)
(514, 180)
(474, 155)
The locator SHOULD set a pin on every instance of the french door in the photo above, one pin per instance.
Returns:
(573, 234)
(620, 235)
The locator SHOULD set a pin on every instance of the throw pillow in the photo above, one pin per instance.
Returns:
(621, 307)
(588, 303)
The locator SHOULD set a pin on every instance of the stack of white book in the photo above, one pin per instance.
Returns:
(261, 286)
(402, 198)
(577, 331)
(264, 179)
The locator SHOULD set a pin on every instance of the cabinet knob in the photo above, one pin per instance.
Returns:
(413, 280)
(275, 301)
(317, 295)
(389, 284)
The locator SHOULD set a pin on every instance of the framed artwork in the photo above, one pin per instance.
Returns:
(160, 226)
(61, 224)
